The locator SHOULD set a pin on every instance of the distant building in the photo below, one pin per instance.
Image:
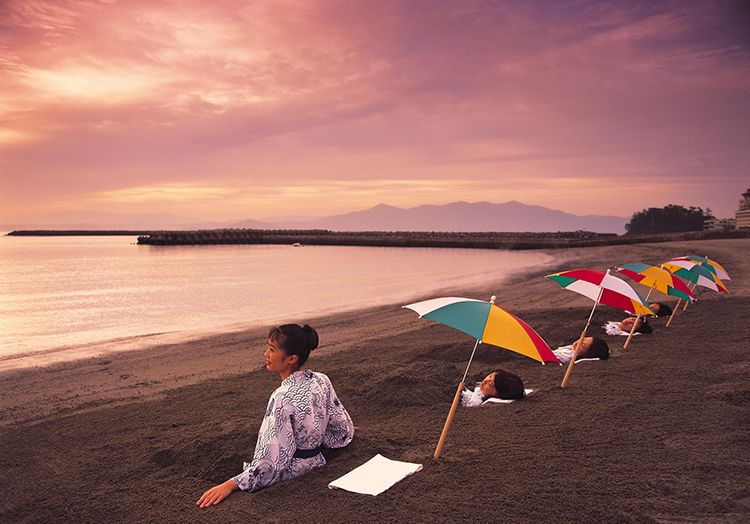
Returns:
(743, 213)
(714, 224)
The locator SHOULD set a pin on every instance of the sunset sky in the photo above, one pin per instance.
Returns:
(229, 109)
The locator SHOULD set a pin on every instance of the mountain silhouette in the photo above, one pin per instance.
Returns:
(463, 216)
(456, 217)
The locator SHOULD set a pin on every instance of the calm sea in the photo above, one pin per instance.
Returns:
(60, 296)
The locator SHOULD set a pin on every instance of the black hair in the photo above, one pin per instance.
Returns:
(645, 327)
(598, 349)
(664, 310)
(295, 340)
(508, 385)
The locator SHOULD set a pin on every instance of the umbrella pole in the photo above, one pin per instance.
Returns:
(448, 421)
(632, 330)
(576, 347)
(674, 311)
(692, 291)
(578, 344)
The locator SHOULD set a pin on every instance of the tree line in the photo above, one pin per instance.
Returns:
(669, 219)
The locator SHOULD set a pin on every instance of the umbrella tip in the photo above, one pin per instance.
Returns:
(492, 300)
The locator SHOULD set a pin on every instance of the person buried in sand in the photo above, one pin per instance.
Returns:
(640, 321)
(303, 415)
(593, 347)
(660, 309)
(624, 327)
(500, 384)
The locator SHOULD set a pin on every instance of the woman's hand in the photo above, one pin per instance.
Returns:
(217, 494)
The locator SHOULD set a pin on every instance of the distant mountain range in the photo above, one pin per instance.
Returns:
(458, 216)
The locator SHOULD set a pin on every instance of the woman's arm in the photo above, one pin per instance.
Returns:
(217, 494)
(274, 449)
(340, 429)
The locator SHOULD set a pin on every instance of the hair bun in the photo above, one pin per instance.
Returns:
(312, 337)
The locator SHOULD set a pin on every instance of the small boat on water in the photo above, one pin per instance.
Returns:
(296, 244)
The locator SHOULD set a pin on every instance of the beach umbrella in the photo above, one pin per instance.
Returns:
(487, 323)
(656, 278)
(602, 288)
(713, 266)
(696, 274)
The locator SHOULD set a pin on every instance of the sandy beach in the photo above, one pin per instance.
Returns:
(659, 433)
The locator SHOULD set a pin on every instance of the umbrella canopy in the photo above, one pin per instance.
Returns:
(656, 278)
(603, 288)
(713, 266)
(488, 323)
(696, 274)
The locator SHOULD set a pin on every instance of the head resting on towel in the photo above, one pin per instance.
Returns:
(508, 385)
(598, 348)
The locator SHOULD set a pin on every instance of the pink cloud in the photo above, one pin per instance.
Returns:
(106, 96)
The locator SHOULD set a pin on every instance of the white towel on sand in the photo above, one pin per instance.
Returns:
(375, 476)
(496, 400)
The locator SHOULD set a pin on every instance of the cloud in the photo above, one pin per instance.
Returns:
(109, 97)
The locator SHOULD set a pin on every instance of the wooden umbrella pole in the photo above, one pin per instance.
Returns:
(691, 290)
(449, 420)
(452, 412)
(576, 348)
(632, 330)
(673, 312)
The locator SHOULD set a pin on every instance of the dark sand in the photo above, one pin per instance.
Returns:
(659, 433)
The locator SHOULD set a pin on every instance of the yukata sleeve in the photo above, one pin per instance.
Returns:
(471, 399)
(274, 450)
(340, 429)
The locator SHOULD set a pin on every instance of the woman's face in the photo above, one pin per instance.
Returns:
(586, 345)
(488, 386)
(655, 308)
(276, 360)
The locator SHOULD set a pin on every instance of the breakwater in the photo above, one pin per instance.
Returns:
(478, 240)
(322, 237)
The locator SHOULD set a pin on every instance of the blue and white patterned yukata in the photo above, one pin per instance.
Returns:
(304, 413)
(471, 399)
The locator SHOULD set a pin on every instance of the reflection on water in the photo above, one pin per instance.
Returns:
(68, 291)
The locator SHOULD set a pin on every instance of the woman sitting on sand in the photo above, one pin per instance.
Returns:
(593, 347)
(303, 415)
(500, 383)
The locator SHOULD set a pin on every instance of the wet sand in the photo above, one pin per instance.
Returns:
(658, 433)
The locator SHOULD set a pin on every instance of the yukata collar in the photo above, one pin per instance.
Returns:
(295, 376)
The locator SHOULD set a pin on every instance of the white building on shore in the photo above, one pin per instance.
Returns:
(742, 215)
(720, 224)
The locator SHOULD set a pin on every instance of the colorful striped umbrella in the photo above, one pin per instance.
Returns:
(656, 278)
(695, 274)
(602, 288)
(713, 266)
(487, 323)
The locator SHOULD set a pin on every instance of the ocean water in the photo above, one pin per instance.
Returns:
(60, 296)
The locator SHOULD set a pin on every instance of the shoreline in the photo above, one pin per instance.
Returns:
(154, 364)
(656, 434)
